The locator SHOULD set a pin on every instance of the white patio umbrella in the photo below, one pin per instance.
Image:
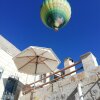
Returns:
(36, 60)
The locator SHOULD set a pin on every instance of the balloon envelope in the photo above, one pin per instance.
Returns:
(55, 13)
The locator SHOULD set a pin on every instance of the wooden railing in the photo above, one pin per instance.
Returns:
(27, 88)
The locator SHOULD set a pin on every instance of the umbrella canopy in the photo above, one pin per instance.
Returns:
(36, 60)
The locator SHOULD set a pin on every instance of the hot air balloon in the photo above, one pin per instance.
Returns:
(55, 13)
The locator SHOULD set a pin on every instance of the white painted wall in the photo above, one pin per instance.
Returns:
(9, 67)
(67, 63)
(8, 47)
(89, 62)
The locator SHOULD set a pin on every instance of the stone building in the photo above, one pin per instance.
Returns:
(83, 85)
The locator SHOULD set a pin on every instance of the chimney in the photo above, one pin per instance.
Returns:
(67, 62)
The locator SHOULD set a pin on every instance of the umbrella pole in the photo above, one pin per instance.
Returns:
(34, 79)
(26, 78)
(31, 97)
(35, 73)
(36, 69)
(36, 64)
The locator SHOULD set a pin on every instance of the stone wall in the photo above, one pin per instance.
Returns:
(67, 89)
(82, 86)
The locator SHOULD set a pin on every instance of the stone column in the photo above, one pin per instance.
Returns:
(89, 62)
(67, 63)
(79, 88)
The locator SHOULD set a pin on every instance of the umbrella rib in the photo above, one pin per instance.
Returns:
(42, 53)
(26, 64)
(33, 51)
(25, 56)
(48, 58)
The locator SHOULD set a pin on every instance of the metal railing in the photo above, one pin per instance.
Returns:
(27, 88)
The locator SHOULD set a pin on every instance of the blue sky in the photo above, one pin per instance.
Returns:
(20, 23)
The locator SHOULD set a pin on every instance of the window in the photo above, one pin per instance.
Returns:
(11, 88)
(11, 85)
(43, 76)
